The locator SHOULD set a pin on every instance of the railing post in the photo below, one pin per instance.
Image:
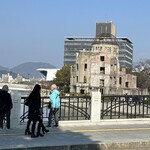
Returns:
(95, 106)
(15, 111)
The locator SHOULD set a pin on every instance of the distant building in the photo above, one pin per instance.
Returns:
(19, 78)
(7, 78)
(105, 27)
(48, 74)
(99, 70)
(72, 45)
(125, 52)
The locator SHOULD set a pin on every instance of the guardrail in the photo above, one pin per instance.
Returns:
(112, 107)
(72, 108)
(125, 106)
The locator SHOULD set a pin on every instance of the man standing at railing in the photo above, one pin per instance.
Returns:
(55, 105)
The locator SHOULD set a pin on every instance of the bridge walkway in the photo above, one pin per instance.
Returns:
(99, 137)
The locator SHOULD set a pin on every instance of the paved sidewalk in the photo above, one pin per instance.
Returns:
(116, 137)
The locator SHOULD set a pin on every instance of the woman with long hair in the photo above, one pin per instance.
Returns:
(34, 115)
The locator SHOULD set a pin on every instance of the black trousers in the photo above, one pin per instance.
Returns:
(2, 116)
(40, 125)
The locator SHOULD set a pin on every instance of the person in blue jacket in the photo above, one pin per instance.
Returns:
(55, 105)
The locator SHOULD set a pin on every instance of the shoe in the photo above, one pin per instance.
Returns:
(7, 127)
(48, 126)
(45, 130)
(27, 132)
(33, 136)
(56, 125)
(39, 134)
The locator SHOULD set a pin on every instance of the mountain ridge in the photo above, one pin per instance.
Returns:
(28, 69)
(3, 68)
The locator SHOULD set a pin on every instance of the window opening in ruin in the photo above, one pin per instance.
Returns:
(102, 82)
(77, 66)
(102, 70)
(127, 84)
(77, 78)
(85, 80)
(82, 91)
(85, 67)
(120, 80)
(102, 91)
(102, 58)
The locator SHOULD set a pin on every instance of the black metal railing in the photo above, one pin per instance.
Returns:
(71, 108)
(125, 106)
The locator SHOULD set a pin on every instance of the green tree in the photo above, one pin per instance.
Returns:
(142, 71)
(63, 78)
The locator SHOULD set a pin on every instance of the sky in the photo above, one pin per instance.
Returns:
(34, 30)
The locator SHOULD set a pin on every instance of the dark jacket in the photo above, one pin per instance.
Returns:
(34, 104)
(5, 101)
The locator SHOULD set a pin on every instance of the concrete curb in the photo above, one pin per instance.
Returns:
(95, 146)
(101, 122)
(105, 122)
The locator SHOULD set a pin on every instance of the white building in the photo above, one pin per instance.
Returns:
(7, 78)
(49, 74)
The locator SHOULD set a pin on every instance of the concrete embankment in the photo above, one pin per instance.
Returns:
(98, 146)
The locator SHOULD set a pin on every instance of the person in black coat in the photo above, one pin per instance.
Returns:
(34, 115)
(5, 106)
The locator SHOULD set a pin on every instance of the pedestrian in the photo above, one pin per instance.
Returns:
(34, 114)
(5, 106)
(55, 105)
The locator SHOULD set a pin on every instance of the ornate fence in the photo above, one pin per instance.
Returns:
(72, 108)
(125, 106)
(112, 107)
